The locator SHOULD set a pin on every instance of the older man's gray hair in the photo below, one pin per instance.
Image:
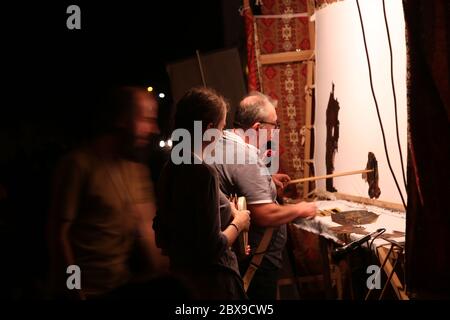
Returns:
(252, 108)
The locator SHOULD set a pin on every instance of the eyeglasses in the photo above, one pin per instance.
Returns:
(277, 125)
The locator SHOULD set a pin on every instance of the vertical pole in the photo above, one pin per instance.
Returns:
(200, 66)
(309, 98)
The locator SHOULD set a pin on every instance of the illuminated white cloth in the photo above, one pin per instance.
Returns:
(392, 221)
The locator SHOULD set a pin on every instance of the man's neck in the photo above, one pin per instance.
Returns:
(109, 145)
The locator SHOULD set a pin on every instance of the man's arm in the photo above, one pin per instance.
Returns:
(145, 209)
(256, 188)
(64, 205)
(274, 215)
(62, 256)
(146, 213)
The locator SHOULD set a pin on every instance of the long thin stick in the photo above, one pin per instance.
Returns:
(347, 173)
(200, 67)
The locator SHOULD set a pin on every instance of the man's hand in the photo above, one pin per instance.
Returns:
(242, 220)
(307, 209)
(281, 180)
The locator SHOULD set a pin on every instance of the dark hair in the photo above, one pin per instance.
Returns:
(199, 104)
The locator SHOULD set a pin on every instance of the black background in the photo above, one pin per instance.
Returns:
(51, 79)
(59, 71)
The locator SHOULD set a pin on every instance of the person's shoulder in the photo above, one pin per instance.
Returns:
(196, 169)
(202, 172)
(79, 158)
(203, 169)
(234, 143)
(232, 138)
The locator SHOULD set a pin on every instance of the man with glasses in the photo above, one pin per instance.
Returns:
(255, 181)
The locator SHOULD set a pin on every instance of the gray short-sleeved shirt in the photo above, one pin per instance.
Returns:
(251, 180)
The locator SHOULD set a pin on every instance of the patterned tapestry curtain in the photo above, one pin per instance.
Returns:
(252, 77)
(284, 82)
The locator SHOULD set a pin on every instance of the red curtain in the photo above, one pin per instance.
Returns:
(252, 77)
(428, 213)
(286, 82)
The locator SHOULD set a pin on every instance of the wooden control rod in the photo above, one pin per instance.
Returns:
(339, 174)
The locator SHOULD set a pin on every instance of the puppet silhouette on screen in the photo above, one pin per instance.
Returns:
(372, 177)
(332, 123)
